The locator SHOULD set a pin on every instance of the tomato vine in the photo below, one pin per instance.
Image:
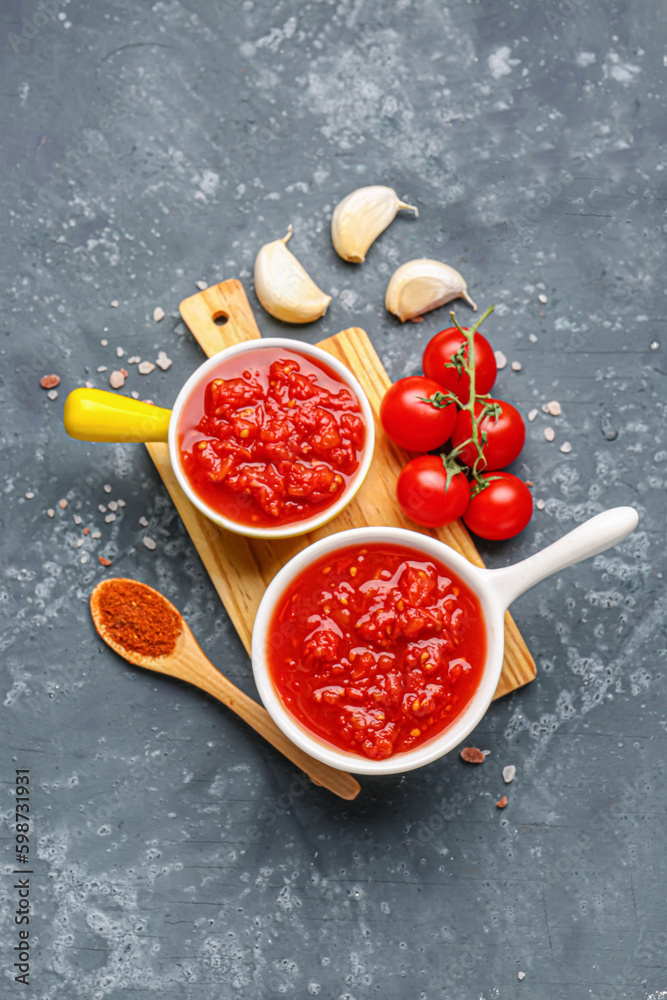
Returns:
(464, 362)
(464, 479)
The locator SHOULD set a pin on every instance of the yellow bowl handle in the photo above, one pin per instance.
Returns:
(95, 415)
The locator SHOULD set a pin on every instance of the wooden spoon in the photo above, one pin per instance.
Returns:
(188, 662)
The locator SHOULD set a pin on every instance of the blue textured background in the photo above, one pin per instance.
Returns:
(146, 146)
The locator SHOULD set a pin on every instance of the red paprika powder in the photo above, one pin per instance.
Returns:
(137, 617)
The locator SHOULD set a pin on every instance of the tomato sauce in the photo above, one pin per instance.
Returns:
(377, 649)
(273, 438)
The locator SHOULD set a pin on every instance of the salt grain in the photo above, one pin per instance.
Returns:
(89, 385)
(554, 408)
(549, 433)
(516, 366)
(121, 503)
(134, 360)
(532, 338)
(114, 304)
(509, 773)
(50, 512)
(79, 542)
(158, 314)
(120, 353)
(163, 361)
(501, 360)
(52, 394)
(201, 285)
(107, 487)
(522, 975)
(62, 504)
(77, 518)
(30, 496)
(102, 368)
(532, 415)
(134, 394)
(143, 522)
(543, 299)
(149, 543)
(96, 534)
(146, 367)
(109, 518)
(104, 343)
(113, 505)
(655, 346)
(566, 447)
(85, 557)
(540, 504)
(102, 509)
(116, 380)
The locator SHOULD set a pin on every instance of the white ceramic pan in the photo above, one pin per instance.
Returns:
(495, 588)
(95, 415)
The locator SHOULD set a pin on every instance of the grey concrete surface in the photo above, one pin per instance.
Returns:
(146, 146)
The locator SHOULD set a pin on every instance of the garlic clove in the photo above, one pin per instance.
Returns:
(359, 219)
(284, 287)
(421, 285)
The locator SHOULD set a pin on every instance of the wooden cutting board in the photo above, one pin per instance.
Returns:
(241, 568)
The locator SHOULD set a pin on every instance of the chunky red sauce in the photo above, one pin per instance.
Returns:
(273, 438)
(377, 649)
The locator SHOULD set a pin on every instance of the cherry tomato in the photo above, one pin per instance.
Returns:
(439, 352)
(504, 437)
(502, 509)
(424, 496)
(412, 423)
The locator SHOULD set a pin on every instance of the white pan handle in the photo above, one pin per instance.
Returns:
(599, 533)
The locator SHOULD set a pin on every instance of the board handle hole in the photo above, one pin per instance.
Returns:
(220, 318)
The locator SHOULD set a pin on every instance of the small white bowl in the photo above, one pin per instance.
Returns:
(495, 589)
(252, 347)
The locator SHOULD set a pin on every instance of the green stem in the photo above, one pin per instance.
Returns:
(469, 368)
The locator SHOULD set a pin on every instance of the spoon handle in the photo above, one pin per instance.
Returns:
(197, 669)
(588, 539)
